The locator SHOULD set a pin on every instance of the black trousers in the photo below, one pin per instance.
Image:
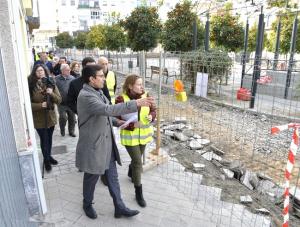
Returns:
(111, 174)
(46, 135)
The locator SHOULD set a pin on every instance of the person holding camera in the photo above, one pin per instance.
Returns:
(44, 95)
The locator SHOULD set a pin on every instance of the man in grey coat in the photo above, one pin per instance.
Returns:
(65, 113)
(96, 151)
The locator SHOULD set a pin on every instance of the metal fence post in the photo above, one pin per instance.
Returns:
(257, 61)
(245, 52)
(276, 54)
(291, 60)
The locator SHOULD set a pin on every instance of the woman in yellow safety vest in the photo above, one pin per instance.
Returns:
(136, 134)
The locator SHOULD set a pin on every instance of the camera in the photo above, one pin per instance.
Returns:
(48, 82)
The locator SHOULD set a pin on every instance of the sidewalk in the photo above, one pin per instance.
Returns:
(174, 197)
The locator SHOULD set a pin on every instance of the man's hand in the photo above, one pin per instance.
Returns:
(145, 101)
(44, 104)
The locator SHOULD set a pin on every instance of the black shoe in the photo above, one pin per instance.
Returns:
(48, 166)
(53, 161)
(104, 180)
(129, 171)
(139, 196)
(62, 133)
(72, 134)
(126, 212)
(89, 211)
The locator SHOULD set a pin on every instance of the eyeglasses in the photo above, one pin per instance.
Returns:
(100, 75)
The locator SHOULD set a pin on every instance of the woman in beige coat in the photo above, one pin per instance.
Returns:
(44, 95)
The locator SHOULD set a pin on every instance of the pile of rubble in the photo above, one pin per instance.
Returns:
(258, 182)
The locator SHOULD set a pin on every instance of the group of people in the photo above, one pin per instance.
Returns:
(91, 96)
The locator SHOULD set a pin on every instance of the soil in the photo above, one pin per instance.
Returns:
(243, 136)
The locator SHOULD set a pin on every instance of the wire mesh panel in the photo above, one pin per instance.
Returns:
(223, 156)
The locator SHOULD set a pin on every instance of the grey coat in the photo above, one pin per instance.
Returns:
(96, 138)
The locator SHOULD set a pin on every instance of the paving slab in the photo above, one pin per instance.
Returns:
(174, 197)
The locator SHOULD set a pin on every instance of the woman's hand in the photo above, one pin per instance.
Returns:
(44, 104)
(137, 124)
(149, 117)
(120, 122)
(49, 91)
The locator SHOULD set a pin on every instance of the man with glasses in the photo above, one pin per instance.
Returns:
(96, 151)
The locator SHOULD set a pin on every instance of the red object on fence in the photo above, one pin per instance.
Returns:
(289, 166)
(243, 94)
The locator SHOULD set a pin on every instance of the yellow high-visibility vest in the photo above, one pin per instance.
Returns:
(142, 135)
(110, 82)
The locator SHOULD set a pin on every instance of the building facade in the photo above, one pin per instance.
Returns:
(21, 192)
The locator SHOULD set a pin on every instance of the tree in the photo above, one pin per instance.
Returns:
(281, 4)
(177, 33)
(287, 21)
(226, 30)
(115, 37)
(64, 40)
(143, 28)
(80, 40)
(96, 37)
(252, 38)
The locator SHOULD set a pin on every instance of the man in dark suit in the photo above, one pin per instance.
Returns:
(96, 151)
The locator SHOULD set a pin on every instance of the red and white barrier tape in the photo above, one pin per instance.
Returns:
(290, 164)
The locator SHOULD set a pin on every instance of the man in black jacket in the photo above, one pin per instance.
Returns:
(76, 85)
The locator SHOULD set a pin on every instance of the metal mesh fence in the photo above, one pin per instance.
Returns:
(220, 148)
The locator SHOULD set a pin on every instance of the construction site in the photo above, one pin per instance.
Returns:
(220, 135)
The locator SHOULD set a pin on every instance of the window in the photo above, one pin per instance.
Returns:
(95, 15)
(83, 23)
(83, 2)
(63, 2)
(72, 3)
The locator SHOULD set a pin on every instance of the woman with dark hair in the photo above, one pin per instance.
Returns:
(44, 95)
(137, 133)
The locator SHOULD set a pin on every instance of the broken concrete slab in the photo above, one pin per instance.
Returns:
(180, 136)
(174, 127)
(216, 163)
(263, 211)
(245, 180)
(229, 174)
(210, 155)
(235, 164)
(195, 145)
(169, 133)
(246, 199)
(198, 166)
(295, 192)
(204, 142)
(180, 120)
(200, 151)
(254, 181)
(225, 162)
(217, 150)
(236, 167)
(188, 133)
(196, 136)
(265, 186)
(264, 176)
